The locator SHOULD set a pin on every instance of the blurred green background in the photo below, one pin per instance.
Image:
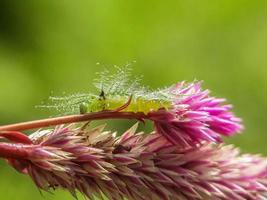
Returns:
(54, 46)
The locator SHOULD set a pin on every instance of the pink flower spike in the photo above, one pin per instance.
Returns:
(195, 116)
(139, 166)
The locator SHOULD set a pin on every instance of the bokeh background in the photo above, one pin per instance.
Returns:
(49, 46)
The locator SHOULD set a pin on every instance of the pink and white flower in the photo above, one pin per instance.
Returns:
(195, 116)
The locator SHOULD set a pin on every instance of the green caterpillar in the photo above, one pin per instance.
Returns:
(118, 92)
(113, 102)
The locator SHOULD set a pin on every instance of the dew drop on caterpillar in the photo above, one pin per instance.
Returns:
(114, 91)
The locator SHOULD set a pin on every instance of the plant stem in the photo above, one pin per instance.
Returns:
(9, 150)
(72, 119)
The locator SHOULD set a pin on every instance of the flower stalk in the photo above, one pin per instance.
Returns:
(193, 116)
(15, 151)
(72, 119)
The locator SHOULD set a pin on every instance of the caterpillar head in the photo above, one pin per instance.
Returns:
(93, 104)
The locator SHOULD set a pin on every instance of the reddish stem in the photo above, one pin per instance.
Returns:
(16, 151)
(15, 136)
(72, 119)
